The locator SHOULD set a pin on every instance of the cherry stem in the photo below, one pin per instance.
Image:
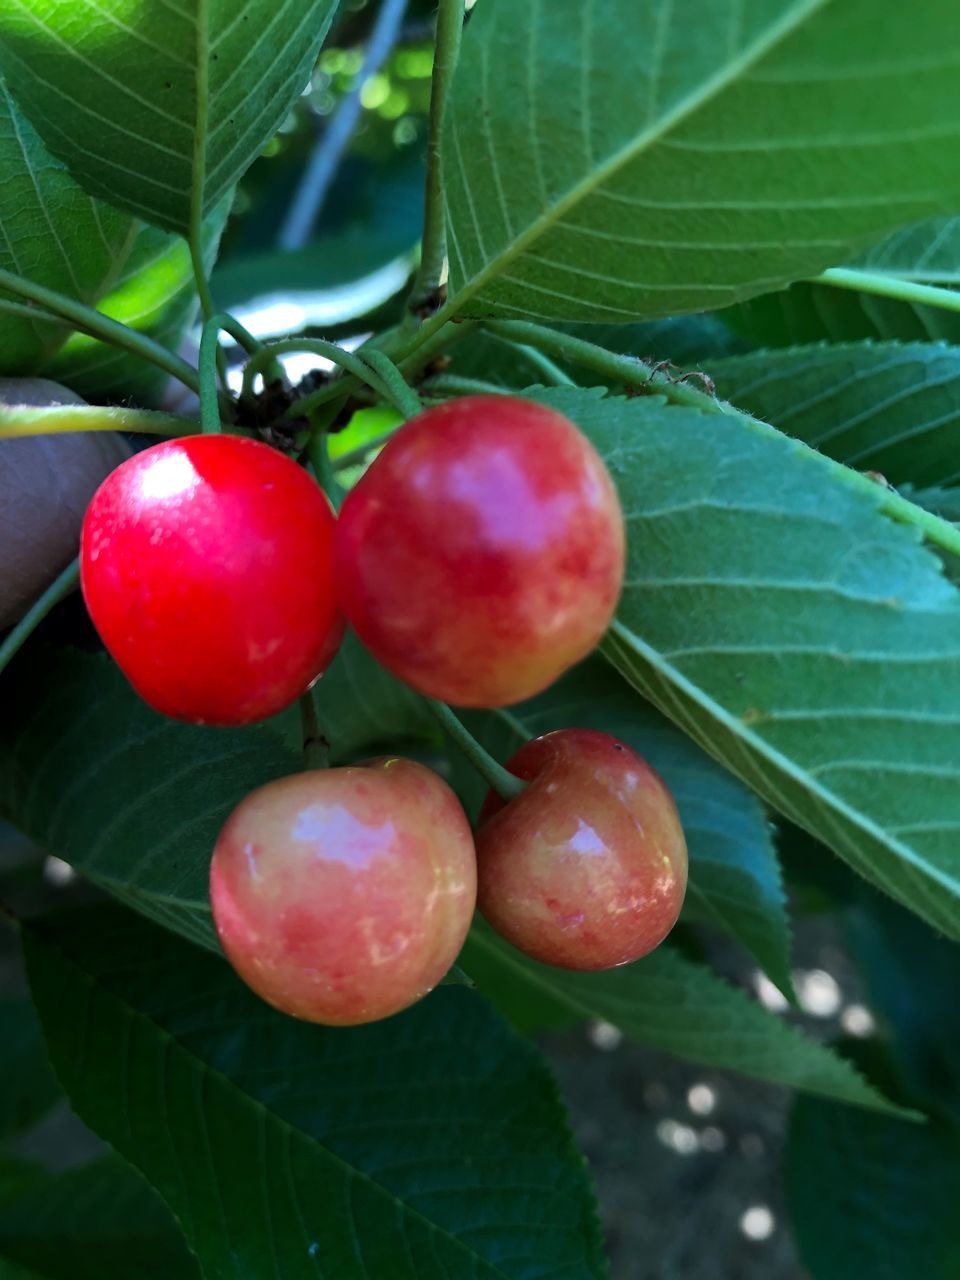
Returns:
(209, 363)
(58, 590)
(102, 327)
(505, 783)
(403, 396)
(317, 346)
(409, 354)
(316, 749)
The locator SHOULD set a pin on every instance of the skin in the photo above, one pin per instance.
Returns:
(587, 867)
(342, 896)
(207, 568)
(481, 554)
(45, 484)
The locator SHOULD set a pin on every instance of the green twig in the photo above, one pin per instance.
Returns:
(316, 346)
(887, 286)
(625, 369)
(352, 456)
(434, 250)
(554, 375)
(402, 395)
(210, 353)
(316, 749)
(100, 326)
(500, 779)
(409, 355)
(348, 360)
(58, 590)
(59, 419)
(318, 449)
(628, 370)
(452, 384)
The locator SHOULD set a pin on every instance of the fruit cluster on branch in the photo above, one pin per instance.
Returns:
(479, 557)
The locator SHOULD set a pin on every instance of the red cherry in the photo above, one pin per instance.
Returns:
(587, 867)
(481, 555)
(343, 895)
(206, 566)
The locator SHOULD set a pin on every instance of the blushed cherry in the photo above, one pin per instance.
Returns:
(207, 568)
(482, 553)
(343, 895)
(587, 867)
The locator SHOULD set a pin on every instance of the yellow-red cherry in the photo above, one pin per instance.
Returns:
(344, 895)
(587, 867)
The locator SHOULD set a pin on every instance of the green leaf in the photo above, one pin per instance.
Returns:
(798, 635)
(50, 232)
(927, 253)
(735, 880)
(361, 705)
(678, 1006)
(872, 1196)
(429, 1145)
(913, 987)
(628, 159)
(133, 800)
(153, 105)
(92, 1223)
(879, 407)
(154, 294)
(27, 1085)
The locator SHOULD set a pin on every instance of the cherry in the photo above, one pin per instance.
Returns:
(481, 554)
(343, 895)
(586, 868)
(206, 566)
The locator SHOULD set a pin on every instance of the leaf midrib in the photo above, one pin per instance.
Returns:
(709, 89)
(776, 758)
(130, 1011)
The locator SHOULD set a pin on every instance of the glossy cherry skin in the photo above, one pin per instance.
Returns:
(343, 895)
(587, 867)
(207, 568)
(481, 554)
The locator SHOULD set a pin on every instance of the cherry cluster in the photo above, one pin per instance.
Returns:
(479, 557)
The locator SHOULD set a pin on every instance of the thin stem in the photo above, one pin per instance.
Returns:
(500, 779)
(316, 749)
(353, 456)
(636, 372)
(59, 419)
(209, 360)
(58, 590)
(323, 164)
(942, 532)
(209, 381)
(100, 326)
(554, 375)
(452, 384)
(403, 396)
(409, 355)
(890, 287)
(433, 255)
(200, 275)
(318, 450)
(626, 369)
(329, 351)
